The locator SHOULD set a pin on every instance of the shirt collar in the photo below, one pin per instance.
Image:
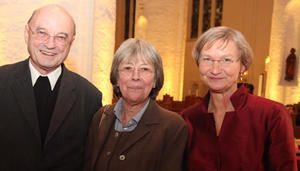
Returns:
(52, 76)
(238, 98)
(136, 118)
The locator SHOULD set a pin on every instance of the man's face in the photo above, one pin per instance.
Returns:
(49, 37)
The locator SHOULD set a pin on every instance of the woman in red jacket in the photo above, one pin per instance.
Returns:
(231, 129)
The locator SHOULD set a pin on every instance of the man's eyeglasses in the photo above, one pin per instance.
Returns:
(44, 36)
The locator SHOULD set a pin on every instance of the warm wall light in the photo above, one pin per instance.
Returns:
(142, 20)
(103, 46)
(157, 27)
(141, 27)
(2, 45)
(260, 84)
(268, 59)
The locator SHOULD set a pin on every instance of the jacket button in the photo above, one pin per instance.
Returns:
(122, 157)
(108, 153)
(116, 134)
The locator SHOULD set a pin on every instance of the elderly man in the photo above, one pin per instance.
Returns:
(45, 109)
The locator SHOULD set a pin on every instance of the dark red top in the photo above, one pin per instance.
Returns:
(258, 135)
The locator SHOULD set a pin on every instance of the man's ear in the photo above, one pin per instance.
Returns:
(72, 39)
(26, 33)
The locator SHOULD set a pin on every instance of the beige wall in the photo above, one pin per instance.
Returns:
(166, 30)
(285, 35)
(103, 45)
(192, 82)
(253, 18)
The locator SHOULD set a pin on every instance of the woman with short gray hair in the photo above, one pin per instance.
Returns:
(136, 134)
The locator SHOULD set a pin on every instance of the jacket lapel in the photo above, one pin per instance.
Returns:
(65, 100)
(23, 91)
(144, 126)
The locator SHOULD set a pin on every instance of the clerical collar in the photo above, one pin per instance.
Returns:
(52, 76)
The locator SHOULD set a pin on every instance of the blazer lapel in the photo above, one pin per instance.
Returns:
(23, 92)
(65, 100)
(106, 123)
(143, 127)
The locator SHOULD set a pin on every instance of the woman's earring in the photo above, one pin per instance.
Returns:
(241, 74)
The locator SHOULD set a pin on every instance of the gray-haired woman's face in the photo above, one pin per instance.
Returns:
(136, 80)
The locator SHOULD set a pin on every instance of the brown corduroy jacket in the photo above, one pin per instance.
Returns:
(156, 144)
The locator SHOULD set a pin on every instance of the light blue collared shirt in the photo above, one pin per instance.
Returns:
(132, 123)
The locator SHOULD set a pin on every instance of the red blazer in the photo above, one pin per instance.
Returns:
(258, 135)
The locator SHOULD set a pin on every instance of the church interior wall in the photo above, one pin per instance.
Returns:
(271, 27)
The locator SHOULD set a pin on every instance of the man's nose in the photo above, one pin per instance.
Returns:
(50, 42)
